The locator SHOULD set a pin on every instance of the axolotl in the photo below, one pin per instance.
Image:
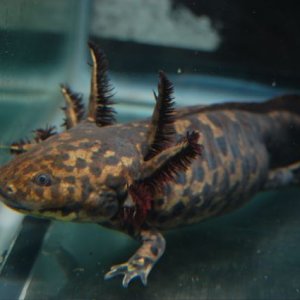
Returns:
(177, 168)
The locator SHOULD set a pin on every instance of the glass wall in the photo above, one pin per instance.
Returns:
(213, 51)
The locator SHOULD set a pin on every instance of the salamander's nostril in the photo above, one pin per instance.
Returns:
(10, 189)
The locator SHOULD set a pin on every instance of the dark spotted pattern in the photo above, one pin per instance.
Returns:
(69, 169)
(215, 120)
(71, 190)
(215, 179)
(210, 157)
(235, 150)
(206, 191)
(227, 161)
(246, 169)
(232, 167)
(95, 156)
(181, 178)
(65, 156)
(112, 160)
(92, 168)
(96, 171)
(86, 145)
(154, 250)
(70, 147)
(70, 179)
(221, 142)
(81, 163)
(114, 181)
(178, 209)
(199, 174)
(86, 187)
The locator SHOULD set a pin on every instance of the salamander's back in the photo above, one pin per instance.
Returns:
(212, 53)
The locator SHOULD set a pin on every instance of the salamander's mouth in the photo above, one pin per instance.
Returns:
(8, 199)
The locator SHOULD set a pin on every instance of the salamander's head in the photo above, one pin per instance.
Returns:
(87, 172)
(71, 176)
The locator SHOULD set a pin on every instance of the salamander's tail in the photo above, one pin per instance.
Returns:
(277, 121)
(279, 125)
(282, 136)
(283, 141)
(290, 103)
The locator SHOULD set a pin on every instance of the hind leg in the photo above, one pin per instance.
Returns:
(285, 176)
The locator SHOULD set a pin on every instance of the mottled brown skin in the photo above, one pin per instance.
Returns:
(89, 168)
(82, 163)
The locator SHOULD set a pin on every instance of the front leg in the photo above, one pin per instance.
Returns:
(142, 262)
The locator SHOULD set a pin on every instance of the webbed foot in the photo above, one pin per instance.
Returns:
(134, 268)
(142, 262)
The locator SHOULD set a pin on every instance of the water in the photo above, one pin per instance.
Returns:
(251, 253)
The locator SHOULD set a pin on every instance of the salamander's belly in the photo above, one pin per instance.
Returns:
(233, 168)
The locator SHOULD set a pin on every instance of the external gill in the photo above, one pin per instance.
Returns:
(162, 162)
(161, 131)
(74, 109)
(100, 108)
(24, 145)
(100, 102)
(158, 171)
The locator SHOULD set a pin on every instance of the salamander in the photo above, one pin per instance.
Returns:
(179, 167)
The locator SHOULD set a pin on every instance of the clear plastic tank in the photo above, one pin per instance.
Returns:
(213, 52)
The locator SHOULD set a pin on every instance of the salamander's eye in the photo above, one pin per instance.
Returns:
(43, 179)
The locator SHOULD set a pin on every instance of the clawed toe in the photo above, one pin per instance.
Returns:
(141, 263)
(129, 272)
